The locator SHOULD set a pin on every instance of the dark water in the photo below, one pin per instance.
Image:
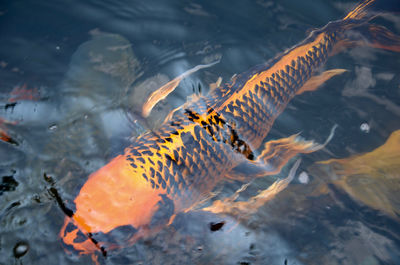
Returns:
(89, 65)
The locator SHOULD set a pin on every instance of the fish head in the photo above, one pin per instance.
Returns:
(115, 199)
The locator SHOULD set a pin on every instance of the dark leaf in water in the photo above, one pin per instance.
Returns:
(48, 179)
(216, 226)
(8, 183)
(10, 106)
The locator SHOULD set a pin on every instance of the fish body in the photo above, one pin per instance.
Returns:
(175, 167)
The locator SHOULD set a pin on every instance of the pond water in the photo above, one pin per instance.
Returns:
(74, 75)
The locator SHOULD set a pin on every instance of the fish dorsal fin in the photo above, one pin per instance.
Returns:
(166, 89)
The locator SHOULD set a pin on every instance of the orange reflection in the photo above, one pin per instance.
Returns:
(4, 136)
(23, 93)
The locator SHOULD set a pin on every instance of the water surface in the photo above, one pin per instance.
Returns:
(86, 67)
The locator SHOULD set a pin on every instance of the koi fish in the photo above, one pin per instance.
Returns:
(371, 178)
(210, 139)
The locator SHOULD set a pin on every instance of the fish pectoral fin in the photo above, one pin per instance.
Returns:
(166, 89)
(316, 81)
(159, 95)
(275, 155)
(243, 209)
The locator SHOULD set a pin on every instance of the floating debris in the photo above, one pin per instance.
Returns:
(8, 183)
(20, 249)
(216, 226)
(304, 178)
(53, 127)
(365, 127)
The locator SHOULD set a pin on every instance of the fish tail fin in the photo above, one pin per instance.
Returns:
(369, 8)
(361, 11)
(358, 32)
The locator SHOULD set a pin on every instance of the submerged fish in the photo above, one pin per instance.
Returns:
(372, 178)
(208, 140)
(23, 93)
(19, 93)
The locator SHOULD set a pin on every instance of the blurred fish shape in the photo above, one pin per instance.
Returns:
(372, 178)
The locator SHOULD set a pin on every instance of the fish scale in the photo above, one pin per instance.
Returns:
(275, 91)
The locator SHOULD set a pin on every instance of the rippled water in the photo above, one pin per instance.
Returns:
(85, 68)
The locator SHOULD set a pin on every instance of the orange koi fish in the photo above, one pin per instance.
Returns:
(210, 139)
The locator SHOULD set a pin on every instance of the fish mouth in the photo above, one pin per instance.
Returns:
(76, 241)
